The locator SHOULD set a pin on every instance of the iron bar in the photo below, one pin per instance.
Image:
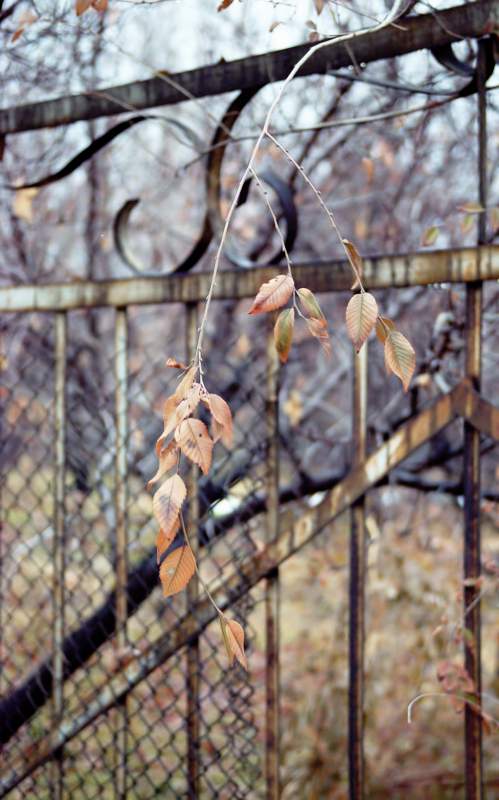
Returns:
(193, 651)
(357, 588)
(272, 589)
(121, 549)
(58, 593)
(293, 535)
(410, 269)
(471, 469)
(417, 33)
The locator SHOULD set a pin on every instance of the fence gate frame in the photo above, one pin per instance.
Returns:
(285, 536)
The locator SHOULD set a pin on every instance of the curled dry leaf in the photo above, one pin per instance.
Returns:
(355, 261)
(188, 406)
(273, 294)
(318, 329)
(361, 315)
(195, 443)
(181, 393)
(283, 333)
(168, 458)
(164, 539)
(383, 328)
(172, 362)
(233, 636)
(176, 570)
(309, 304)
(167, 502)
(222, 427)
(400, 357)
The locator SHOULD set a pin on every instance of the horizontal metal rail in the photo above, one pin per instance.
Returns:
(293, 535)
(462, 265)
(471, 20)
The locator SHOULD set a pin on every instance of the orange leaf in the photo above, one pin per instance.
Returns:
(172, 362)
(283, 333)
(167, 460)
(383, 327)
(233, 635)
(309, 304)
(318, 329)
(188, 406)
(81, 6)
(361, 315)
(194, 441)
(273, 294)
(355, 261)
(164, 540)
(224, 4)
(167, 502)
(400, 357)
(222, 417)
(100, 5)
(185, 384)
(176, 570)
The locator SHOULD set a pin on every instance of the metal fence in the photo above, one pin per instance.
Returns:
(108, 690)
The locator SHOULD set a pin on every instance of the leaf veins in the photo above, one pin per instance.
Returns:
(273, 294)
(176, 570)
(361, 315)
(167, 502)
(194, 441)
(400, 357)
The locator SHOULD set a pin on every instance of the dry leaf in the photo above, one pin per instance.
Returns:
(22, 205)
(168, 458)
(430, 236)
(318, 329)
(25, 20)
(81, 6)
(185, 384)
(309, 304)
(222, 416)
(355, 261)
(194, 441)
(167, 502)
(172, 362)
(100, 5)
(361, 315)
(176, 570)
(233, 635)
(273, 294)
(368, 167)
(164, 539)
(400, 357)
(188, 406)
(383, 328)
(283, 333)
(471, 208)
(319, 6)
(224, 4)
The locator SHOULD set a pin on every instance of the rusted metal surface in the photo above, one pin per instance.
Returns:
(471, 472)
(357, 588)
(193, 654)
(294, 533)
(121, 547)
(418, 32)
(59, 549)
(272, 589)
(411, 269)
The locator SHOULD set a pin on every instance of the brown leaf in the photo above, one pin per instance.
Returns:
(176, 570)
(361, 315)
(81, 6)
(471, 208)
(164, 539)
(194, 441)
(355, 261)
(172, 362)
(224, 4)
(167, 502)
(273, 294)
(185, 384)
(318, 329)
(233, 635)
(319, 6)
(400, 357)
(222, 416)
(168, 458)
(188, 406)
(283, 333)
(25, 20)
(100, 5)
(383, 328)
(368, 167)
(309, 304)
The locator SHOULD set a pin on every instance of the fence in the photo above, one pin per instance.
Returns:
(132, 699)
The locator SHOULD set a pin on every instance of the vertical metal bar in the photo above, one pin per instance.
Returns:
(121, 550)
(272, 593)
(193, 654)
(472, 552)
(357, 586)
(57, 777)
